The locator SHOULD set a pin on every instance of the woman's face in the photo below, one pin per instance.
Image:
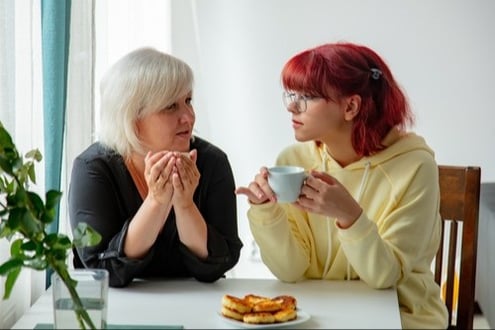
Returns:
(170, 128)
(323, 120)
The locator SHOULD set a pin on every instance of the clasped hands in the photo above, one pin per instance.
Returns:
(321, 193)
(172, 176)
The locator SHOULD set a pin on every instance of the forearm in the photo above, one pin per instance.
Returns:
(286, 256)
(192, 229)
(362, 243)
(145, 227)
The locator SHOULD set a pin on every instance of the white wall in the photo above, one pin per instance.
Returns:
(441, 51)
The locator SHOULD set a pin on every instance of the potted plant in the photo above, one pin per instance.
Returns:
(24, 220)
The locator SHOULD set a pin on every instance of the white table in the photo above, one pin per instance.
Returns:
(331, 304)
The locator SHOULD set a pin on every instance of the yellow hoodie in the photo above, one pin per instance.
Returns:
(392, 243)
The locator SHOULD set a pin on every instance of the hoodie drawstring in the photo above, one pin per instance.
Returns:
(329, 250)
(364, 179)
(329, 234)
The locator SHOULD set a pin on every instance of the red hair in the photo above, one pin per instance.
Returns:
(347, 69)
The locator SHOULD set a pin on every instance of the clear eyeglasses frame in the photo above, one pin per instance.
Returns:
(299, 101)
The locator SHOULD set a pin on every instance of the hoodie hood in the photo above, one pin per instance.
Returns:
(397, 142)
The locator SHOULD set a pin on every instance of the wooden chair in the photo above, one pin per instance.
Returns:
(459, 205)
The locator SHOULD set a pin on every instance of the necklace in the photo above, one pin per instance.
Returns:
(137, 177)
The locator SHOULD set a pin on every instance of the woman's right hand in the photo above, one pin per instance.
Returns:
(158, 175)
(258, 191)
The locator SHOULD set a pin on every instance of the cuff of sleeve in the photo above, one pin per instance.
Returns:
(360, 228)
(116, 249)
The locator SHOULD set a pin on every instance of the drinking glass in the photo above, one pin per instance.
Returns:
(92, 288)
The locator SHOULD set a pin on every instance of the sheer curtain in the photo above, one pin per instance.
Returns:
(22, 114)
(101, 32)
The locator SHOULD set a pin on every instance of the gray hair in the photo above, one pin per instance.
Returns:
(142, 82)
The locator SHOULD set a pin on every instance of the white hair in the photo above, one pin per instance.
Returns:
(142, 82)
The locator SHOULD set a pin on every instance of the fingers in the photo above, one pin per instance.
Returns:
(311, 187)
(258, 191)
(323, 176)
(317, 182)
(253, 198)
(177, 182)
(186, 169)
(155, 165)
(193, 155)
(159, 181)
(172, 174)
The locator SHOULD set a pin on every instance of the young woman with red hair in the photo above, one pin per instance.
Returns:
(369, 208)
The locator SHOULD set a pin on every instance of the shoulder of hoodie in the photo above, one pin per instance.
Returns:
(409, 147)
(408, 154)
(409, 150)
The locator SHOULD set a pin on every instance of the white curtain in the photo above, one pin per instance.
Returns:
(21, 113)
(101, 32)
(80, 115)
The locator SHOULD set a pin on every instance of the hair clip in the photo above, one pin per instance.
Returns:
(375, 73)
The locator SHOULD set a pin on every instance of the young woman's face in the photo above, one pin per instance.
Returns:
(170, 128)
(323, 120)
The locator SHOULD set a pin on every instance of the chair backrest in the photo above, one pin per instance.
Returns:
(459, 208)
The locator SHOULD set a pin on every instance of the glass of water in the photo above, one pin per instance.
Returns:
(92, 288)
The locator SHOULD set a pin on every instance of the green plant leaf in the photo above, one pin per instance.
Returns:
(4, 229)
(29, 246)
(31, 173)
(50, 239)
(30, 225)
(64, 241)
(10, 265)
(14, 220)
(52, 199)
(34, 154)
(5, 165)
(5, 138)
(85, 235)
(37, 206)
(15, 247)
(11, 278)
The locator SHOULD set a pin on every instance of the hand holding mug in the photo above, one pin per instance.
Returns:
(325, 195)
(275, 184)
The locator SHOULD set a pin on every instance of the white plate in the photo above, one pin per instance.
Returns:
(301, 318)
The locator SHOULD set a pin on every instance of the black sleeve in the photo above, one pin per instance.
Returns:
(96, 197)
(216, 201)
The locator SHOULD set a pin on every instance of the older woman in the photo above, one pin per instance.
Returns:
(162, 199)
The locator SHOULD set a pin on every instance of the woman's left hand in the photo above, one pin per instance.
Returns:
(325, 195)
(185, 178)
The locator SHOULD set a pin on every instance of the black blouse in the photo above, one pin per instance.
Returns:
(103, 195)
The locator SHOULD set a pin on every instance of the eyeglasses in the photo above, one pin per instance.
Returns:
(299, 101)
